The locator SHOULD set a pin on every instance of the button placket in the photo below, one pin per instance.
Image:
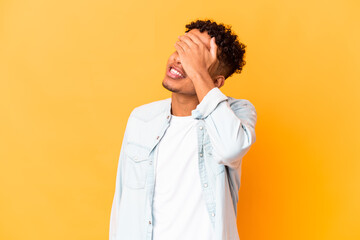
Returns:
(206, 188)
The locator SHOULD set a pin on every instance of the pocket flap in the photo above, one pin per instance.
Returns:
(137, 153)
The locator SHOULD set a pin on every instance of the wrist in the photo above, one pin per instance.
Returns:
(203, 83)
(202, 76)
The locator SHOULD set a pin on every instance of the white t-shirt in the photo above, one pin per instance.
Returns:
(179, 208)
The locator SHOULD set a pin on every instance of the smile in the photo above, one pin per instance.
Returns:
(174, 74)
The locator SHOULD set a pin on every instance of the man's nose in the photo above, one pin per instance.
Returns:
(177, 58)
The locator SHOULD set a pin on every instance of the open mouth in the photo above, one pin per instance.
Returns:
(173, 73)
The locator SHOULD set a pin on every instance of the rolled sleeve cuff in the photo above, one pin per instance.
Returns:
(208, 103)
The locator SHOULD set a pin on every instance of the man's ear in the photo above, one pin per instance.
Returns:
(219, 81)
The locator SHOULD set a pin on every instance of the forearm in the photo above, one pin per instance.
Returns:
(231, 129)
(203, 84)
(231, 136)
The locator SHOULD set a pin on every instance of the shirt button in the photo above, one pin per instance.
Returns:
(201, 154)
(205, 185)
(149, 222)
(168, 117)
(213, 214)
(201, 128)
(157, 137)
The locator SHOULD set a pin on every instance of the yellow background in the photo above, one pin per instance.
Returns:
(72, 71)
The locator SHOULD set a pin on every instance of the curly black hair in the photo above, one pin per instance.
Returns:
(232, 51)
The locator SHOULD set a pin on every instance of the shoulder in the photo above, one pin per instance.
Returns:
(243, 103)
(243, 109)
(149, 111)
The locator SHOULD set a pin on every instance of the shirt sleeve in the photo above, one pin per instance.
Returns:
(114, 215)
(209, 103)
(231, 129)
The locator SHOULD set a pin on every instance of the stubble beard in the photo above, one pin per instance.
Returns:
(169, 88)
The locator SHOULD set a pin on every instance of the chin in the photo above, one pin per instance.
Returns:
(166, 86)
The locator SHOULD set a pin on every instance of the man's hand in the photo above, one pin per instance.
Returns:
(195, 58)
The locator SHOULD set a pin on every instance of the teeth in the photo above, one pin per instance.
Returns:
(176, 72)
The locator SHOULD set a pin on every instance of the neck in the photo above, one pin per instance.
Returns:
(182, 105)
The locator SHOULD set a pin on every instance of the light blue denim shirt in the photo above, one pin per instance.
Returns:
(225, 132)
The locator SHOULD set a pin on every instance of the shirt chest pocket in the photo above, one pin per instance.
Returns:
(136, 166)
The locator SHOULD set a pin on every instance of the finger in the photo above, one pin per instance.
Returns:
(183, 45)
(194, 38)
(179, 48)
(188, 41)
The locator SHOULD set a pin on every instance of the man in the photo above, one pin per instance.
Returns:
(179, 168)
